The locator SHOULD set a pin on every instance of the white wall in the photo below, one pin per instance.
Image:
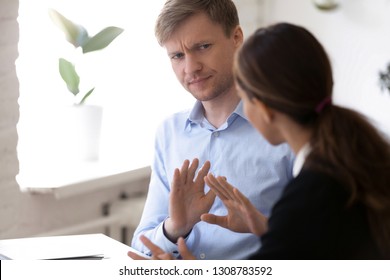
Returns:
(357, 38)
(9, 113)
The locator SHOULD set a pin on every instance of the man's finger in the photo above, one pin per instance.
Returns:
(135, 256)
(192, 170)
(152, 247)
(184, 171)
(203, 172)
(183, 250)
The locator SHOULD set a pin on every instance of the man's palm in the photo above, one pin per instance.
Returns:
(188, 200)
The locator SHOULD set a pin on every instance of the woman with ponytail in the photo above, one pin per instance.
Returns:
(338, 204)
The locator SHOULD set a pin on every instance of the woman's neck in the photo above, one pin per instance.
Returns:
(295, 134)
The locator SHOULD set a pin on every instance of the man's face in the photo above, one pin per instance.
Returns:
(202, 56)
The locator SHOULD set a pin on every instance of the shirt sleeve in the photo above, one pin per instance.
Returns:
(156, 205)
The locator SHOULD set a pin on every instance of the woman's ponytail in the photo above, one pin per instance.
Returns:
(347, 146)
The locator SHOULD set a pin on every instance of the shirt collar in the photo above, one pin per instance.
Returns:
(196, 115)
(300, 159)
(240, 110)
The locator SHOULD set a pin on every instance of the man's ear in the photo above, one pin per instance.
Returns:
(238, 36)
(265, 111)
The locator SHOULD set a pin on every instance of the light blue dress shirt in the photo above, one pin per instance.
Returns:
(236, 150)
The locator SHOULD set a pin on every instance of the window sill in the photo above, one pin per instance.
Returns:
(81, 178)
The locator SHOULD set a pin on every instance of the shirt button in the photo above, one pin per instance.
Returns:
(216, 134)
(202, 255)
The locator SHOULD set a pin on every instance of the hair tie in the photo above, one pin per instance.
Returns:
(324, 103)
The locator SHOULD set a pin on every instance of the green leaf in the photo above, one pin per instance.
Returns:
(75, 34)
(86, 95)
(102, 39)
(69, 75)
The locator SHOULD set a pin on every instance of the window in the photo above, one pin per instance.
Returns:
(133, 83)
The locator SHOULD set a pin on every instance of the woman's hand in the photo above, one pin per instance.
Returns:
(159, 254)
(242, 215)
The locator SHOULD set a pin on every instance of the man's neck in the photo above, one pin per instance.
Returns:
(218, 110)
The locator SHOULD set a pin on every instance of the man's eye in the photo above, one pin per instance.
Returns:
(177, 56)
(204, 46)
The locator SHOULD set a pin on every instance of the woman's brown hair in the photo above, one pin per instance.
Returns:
(286, 68)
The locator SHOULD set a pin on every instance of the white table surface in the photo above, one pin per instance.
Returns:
(64, 247)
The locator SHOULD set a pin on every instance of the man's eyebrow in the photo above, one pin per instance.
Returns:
(201, 43)
(193, 47)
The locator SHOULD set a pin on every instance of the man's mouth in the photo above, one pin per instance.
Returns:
(197, 80)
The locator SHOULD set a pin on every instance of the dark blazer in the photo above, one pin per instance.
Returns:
(312, 221)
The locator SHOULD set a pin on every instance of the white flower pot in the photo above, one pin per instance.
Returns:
(87, 124)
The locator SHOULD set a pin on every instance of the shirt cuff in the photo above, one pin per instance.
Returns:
(168, 245)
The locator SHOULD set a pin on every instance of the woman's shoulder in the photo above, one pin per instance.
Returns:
(328, 180)
(315, 187)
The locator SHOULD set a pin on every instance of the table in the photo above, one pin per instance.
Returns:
(85, 246)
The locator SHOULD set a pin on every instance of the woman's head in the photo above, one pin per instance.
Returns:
(286, 68)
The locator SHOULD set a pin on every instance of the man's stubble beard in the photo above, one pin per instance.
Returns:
(223, 88)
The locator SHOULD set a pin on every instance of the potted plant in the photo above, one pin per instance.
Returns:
(326, 4)
(86, 119)
(78, 36)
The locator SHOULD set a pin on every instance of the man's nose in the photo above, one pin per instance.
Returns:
(192, 64)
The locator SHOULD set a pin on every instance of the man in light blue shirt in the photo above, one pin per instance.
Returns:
(201, 38)
(189, 135)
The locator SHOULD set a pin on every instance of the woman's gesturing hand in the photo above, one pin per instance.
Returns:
(242, 215)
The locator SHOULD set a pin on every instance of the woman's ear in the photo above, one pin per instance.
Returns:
(265, 112)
